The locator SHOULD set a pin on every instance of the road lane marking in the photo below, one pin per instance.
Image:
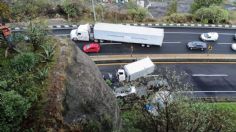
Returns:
(209, 75)
(207, 91)
(225, 43)
(172, 42)
(181, 33)
(196, 33)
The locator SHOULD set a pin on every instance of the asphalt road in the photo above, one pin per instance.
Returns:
(209, 80)
(175, 41)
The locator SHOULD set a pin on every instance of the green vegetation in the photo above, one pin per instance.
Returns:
(13, 109)
(172, 7)
(5, 11)
(204, 3)
(23, 78)
(212, 14)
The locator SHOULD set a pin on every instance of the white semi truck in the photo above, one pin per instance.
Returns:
(136, 70)
(101, 32)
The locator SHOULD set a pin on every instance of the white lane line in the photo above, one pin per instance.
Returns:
(224, 43)
(209, 75)
(181, 33)
(207, 91)
(196, 33)
(173, 42)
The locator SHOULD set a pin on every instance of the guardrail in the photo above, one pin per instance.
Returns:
(182, 25)
(186, 25)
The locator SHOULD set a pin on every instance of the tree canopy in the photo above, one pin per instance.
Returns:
(197, 4)
(212, 14)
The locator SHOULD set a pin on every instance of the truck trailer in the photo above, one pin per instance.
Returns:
(136, 69)
(101, 32)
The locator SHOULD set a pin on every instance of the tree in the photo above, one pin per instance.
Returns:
(212, 14)
(197, 4)
(172, 8)
(13, 108)
(69, 9)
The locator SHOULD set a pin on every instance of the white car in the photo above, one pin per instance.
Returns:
(233, 46)
(124, 91)
(211, 36)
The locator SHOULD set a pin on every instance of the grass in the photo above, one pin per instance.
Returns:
(227, 106)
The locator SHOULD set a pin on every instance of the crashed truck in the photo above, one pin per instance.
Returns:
(135, 70)
(106, 32)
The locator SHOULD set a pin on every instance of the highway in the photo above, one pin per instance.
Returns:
(175, 41)
(209, 80)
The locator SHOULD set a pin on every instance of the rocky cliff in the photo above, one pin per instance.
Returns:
(83, 101)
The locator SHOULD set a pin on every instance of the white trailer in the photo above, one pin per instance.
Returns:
(135, 70)
(119, 33)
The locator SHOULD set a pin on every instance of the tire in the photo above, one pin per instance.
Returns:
(191, 48)
(148, 46)
(202, 49)
(74, 39)
(143, 45)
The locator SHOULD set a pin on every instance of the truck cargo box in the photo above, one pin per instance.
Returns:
(128, 34)
(139, 68)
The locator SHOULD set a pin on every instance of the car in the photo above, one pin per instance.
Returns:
(197, 45)
(233, 46)
(91, 48)
(211, 36)
(124, 91)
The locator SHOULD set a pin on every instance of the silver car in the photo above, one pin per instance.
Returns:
(197, 45)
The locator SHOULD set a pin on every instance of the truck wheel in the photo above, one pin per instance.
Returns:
(143, 45)
(74, 39)
(95, 40)
(148, 45)
(101, 41)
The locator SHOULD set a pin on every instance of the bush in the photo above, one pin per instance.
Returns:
(37, 33)
(24, 62)
(212, 14)
(178, 18)
(197, 4)
(13, 108)
(48, 52)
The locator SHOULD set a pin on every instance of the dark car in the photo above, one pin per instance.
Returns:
(197, 45)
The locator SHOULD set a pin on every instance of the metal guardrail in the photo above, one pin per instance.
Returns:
(182, 25)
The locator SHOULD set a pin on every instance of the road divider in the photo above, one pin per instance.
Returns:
(166, 58)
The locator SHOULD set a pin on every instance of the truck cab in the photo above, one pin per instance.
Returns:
(121, 75)
(82, 33)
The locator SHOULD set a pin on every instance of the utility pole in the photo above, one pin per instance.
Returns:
(94, 12)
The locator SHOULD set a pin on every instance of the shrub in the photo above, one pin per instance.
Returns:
(24, 62)
(37, 33)
(212, 14)
(48, 52)
(178, 18)
(42, 74)
(13, 108)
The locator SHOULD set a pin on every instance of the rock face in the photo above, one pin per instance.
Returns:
(88, 100)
